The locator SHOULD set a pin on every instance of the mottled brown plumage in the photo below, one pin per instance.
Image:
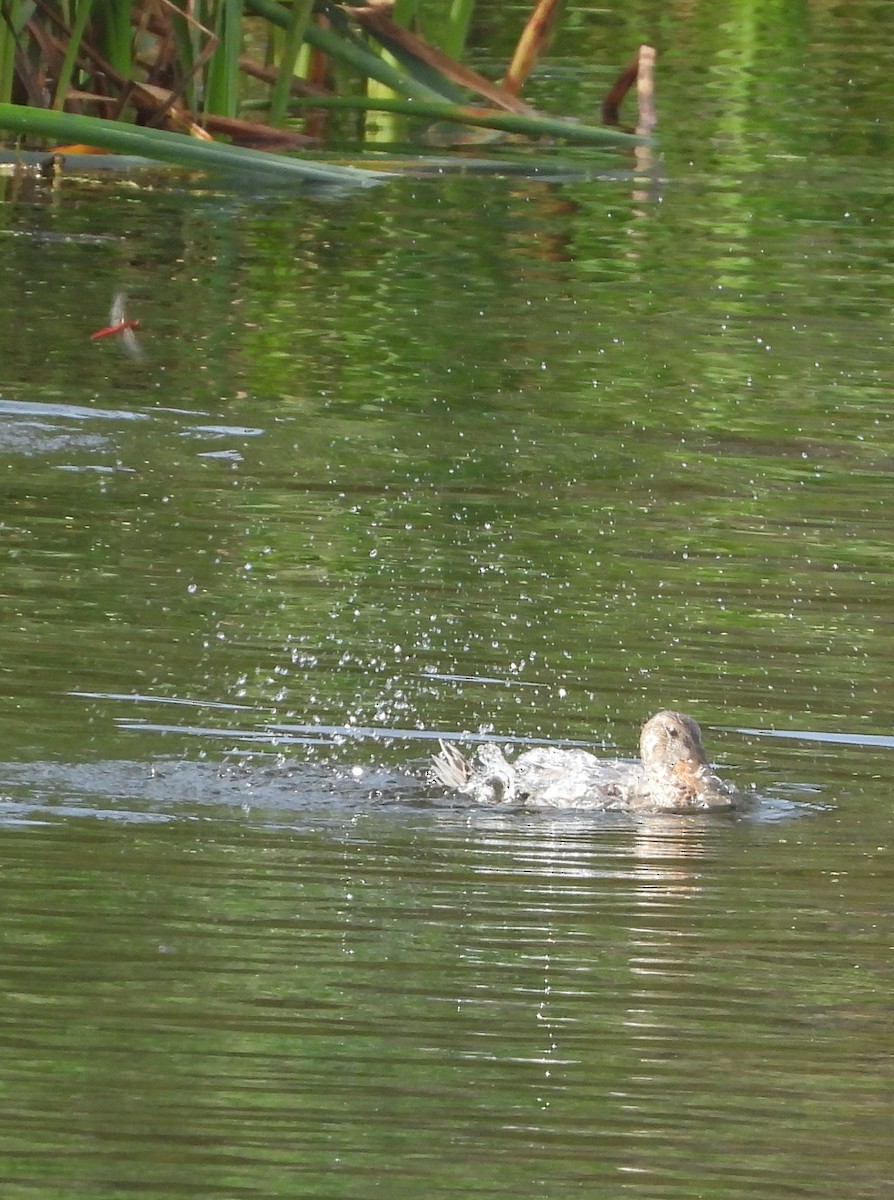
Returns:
(674, 775)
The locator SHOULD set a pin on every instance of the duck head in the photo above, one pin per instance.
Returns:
(676, 764)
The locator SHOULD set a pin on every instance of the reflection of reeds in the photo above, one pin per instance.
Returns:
(201, 69)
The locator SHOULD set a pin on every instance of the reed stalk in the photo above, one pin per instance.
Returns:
(518, 123)
(222, 80)
(73, 48)
(294, 40)
(180, 149)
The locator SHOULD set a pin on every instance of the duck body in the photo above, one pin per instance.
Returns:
(673, 776)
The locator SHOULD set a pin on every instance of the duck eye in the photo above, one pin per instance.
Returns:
(672, 731)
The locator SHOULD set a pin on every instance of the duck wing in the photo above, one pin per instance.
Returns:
(450, 767)
(488, 777)
(551, 778)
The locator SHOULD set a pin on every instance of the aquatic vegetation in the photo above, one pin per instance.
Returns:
(183, 82)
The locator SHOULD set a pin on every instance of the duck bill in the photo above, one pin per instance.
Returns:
(688, 770)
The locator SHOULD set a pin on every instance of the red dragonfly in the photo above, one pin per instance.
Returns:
(119, 323)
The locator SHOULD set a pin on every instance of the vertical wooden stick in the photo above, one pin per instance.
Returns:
(645, 90)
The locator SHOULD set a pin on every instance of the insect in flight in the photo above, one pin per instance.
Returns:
(120, 325)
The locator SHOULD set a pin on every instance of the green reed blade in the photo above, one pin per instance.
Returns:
(553, 127)
(178, 148)
(63, 83)
(281, 90)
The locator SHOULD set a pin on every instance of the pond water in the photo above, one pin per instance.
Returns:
(466, 455)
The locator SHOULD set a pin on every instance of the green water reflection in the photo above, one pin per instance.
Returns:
(375, 1008)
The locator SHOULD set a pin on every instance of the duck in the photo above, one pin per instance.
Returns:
(674, 774)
